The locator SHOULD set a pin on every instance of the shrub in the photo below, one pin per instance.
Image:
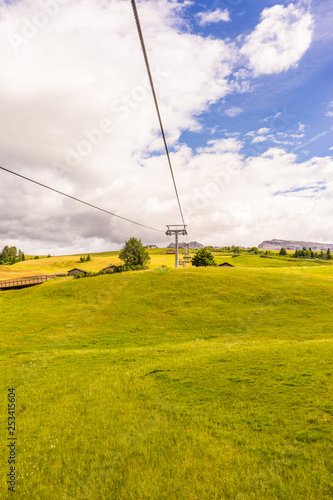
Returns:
(203, 258)
(117, 269)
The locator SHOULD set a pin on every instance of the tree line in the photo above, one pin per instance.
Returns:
(307, 253)
(10, 255)
(310, 254)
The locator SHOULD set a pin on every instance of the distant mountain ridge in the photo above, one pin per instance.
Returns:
(294, 245)
(193, 245)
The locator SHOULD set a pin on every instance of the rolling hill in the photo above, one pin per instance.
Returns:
(171, 384)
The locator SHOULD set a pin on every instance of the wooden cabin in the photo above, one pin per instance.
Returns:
(110, 267)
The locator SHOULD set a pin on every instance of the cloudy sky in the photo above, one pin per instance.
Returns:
(246, 97)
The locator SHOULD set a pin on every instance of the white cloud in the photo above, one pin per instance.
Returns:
(230, 145)
(238, 199)
(263, 130)
(85, 67)
(80, 115)
(215, 16)
(264, 134)
(279, 41)
(234, 111)
(315, 138)
(330, 110)
(257, 134)
(273, 117)
(259, 139)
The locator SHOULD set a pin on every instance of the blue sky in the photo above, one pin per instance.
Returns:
(246, 96)
(302, 94)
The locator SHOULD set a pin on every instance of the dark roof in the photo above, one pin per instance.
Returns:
(225, 264)
(110, 266)
(78, 270)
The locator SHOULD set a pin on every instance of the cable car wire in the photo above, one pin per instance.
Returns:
(163, 135)
(138, 25)
(80, 201)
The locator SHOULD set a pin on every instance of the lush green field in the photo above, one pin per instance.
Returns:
(248, 260)
(64, 263)
(172, 384)
(60, 264)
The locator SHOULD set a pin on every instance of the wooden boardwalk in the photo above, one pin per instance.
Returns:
(25, 282)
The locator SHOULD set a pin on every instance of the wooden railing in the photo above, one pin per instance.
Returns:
(28, 281)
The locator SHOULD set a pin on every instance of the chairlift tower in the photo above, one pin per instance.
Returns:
(187, 257)
(176, 231)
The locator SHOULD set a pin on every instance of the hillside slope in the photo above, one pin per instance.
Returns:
(63, 263)
(196, 383)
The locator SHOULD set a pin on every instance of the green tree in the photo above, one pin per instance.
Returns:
(254, 250)
(13, 253)
(5, 254)
(203, 258)
(134, 254)
(283, 251)
(328, 254)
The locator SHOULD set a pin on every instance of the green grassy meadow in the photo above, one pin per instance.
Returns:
(211, 383)
(63, 263)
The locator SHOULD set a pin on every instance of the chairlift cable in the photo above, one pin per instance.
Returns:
(138, 25)
(80, 201)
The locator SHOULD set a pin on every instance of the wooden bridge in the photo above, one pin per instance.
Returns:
(25, 282)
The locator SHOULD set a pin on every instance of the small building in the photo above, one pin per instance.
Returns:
(76, 271)
(225, 264)
(171, 251)
(150, 247)
(110, 267)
